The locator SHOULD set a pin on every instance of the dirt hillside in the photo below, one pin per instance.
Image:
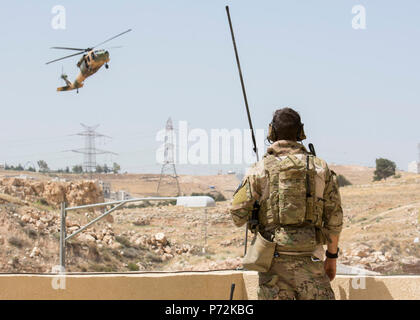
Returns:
(381, 226)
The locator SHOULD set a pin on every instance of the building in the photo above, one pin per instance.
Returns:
(414, 167)
(106, 189)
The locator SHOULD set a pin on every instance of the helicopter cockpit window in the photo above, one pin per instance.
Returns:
(93, 56)
(87, 58)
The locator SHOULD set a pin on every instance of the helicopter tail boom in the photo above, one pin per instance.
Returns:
(70, 86)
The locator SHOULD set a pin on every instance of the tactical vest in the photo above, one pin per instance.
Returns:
(296, 187)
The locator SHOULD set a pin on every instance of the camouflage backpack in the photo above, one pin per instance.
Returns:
(296, 187)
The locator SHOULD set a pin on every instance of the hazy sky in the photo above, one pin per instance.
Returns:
(356, 90)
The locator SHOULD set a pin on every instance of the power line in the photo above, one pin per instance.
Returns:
(169, 159)
(90, 151)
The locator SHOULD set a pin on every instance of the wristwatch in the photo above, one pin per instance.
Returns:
(331, 255)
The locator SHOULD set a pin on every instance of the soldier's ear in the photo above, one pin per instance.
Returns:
(301, 133)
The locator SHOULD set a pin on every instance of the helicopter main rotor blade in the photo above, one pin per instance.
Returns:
(65, 48)
(72, 55)
(114, 47)
(118, 35)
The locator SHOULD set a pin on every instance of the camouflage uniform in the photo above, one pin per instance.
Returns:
(297, 270)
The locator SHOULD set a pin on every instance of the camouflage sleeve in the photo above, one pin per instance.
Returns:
(333, 213)
(244, 198)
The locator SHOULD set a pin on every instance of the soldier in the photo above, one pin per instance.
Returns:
(298, 211)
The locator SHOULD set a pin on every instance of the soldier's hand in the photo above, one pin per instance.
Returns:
(330, 266)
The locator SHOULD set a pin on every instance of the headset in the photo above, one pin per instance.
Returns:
(271, 137)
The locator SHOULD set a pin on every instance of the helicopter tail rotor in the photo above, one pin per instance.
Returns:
(64, 77)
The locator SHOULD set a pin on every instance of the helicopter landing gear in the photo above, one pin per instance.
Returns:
(77, 90)
(106, 66)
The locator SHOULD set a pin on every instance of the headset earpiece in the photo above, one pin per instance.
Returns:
(271, 137)
(301, 134)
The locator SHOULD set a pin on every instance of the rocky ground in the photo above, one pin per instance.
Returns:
(380, 231)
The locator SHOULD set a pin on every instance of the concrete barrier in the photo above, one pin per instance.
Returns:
(187, 286)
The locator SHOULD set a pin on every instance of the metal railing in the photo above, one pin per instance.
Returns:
(184, 201)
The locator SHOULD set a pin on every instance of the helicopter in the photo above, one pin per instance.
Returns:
(91, 61)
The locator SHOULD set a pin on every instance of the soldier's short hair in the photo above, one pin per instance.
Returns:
(286, 124)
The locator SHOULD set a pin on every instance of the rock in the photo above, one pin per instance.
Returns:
(159, 251)
(140, 241)
(70, 230)
(107, 238)
(34, 215)
(361, 251)
(410, 265)
(226, 243)
(35, 252)
(115, 245)
(141, 267)
(141, 222)
(161, 238)
(1, 240)
(167, 256)
(355, 259)
(46, 219)
(86, 238)
(53, 192)
(381, 258)
(70, 223)
(41, 226)
(25, 218)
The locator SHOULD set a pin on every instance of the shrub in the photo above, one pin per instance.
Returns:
(124, 241)
(153, 257)
(130, 253)
(384, 169)
(31, 233)
(342, 181)
(133, 267)
(15, 241)
(217, 196)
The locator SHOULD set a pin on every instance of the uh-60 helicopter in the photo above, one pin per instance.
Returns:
(89, 63)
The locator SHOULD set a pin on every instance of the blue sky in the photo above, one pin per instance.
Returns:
(356, 90)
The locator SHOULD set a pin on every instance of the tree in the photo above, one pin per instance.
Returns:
(342, 181)
(384, 169)
(116, 167)
(99, 169)
(43, 166)
(77, 169)
(106, 169)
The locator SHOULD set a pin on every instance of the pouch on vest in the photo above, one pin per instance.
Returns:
(260, 254)
(289, 238)
(292, 187)
(298, 201)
